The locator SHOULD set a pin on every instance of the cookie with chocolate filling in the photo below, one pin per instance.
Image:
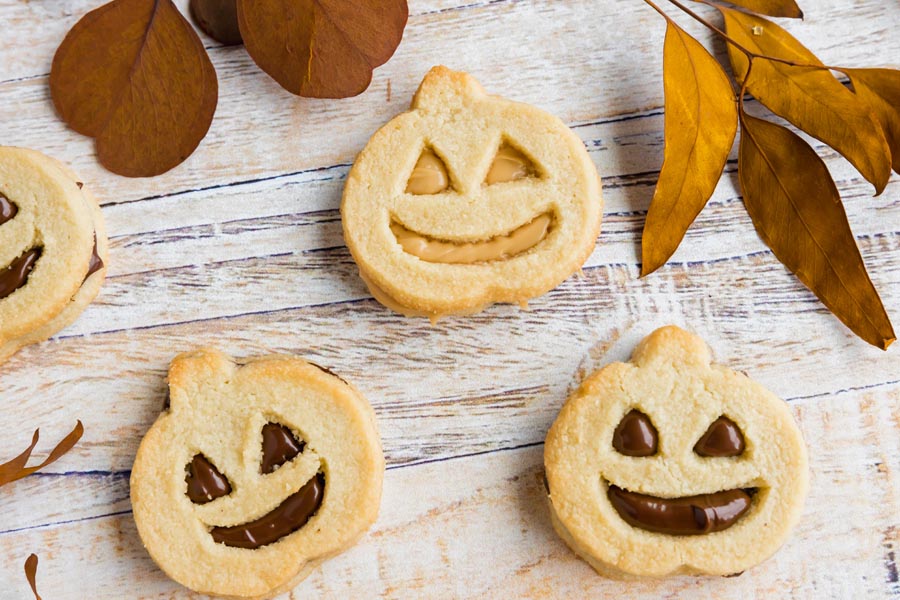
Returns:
(53, 248)
(255, 474)
(467, 200)
(671, 465)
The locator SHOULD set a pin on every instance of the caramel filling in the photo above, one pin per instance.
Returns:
(387, 300)
(509, 165)
(694, 515)
(429, 176)
(498, 248)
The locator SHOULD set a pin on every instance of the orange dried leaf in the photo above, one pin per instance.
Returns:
(701, 122)
(773, 8)
(31, 565)
(134, 75)
(322, 48)
(810, 98)
(880, 89)
(797, 210)
(15, 469)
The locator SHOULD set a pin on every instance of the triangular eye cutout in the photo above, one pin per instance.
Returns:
(429, 175)
(510, 164)
(723, 438)
(278, 447)
(635, 435)
(204, 481)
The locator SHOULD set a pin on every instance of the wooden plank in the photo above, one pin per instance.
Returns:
(469, 512)
(241, 248)
(801, 352)
(260, 131)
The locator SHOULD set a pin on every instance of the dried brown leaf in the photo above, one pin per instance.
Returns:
(701, 122)
(134, 75)
(15, 469)
(810, 98)
(773, 8)
(797, 210)
(31, 565)
(880, 89)
(322, 48)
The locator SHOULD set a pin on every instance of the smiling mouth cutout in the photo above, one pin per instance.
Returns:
(500, 247)
(288, 517)
(206, 483)
(691, 515)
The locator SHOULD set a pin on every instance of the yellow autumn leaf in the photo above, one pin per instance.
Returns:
(810, 98)
(701, 122)
(797, 211)
(880, 90)
(773, 8)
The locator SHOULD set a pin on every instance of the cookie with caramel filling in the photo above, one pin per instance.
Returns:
(670, 465)
(254, 474)
(53, 248)
(467, 200)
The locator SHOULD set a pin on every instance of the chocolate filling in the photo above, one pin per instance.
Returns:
(329, 371)
(635, 435)
(96, 262)
(287, 518)
(279, 446)
(692, 515)
(8, 210)
(204, 481)
(723, 438)
(16, 274)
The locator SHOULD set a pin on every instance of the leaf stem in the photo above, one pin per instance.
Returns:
(749, 53)
(743, 91)
(707, 24)
(659, 10)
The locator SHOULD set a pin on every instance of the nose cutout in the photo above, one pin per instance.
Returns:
(279, 446)
(723, 438)
(429, 175)
(635, 435)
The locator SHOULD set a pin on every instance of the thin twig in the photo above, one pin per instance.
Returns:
(659, 10)
(749, 53)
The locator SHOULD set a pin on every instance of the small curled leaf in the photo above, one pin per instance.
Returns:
(31, 565)
(773, 8)
(701, 122)
(880, 89)
(134, 75)
(797, 211)
(15, 469)
(322, 48)
(809, 97)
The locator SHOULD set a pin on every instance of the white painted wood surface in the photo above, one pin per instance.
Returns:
(241, 247)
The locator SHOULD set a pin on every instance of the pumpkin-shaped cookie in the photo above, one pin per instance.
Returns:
(254, 474)
(469, 199)
(668, 464)
(53, 248)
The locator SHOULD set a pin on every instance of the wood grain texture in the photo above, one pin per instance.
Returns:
(241, 247)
